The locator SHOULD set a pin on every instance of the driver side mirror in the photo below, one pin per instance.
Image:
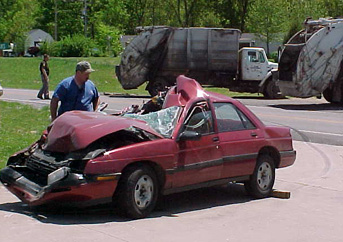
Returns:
(189, 135)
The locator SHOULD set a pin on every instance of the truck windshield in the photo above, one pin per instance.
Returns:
(163, 121)
(261, 57)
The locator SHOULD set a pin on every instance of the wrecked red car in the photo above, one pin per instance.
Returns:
(198, 139)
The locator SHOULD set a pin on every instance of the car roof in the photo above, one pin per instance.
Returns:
(188, 90)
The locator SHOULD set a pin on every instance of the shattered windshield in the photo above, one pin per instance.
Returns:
(163, 121)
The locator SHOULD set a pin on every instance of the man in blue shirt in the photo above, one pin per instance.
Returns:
(75, 92)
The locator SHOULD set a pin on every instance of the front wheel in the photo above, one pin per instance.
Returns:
(138, 192)
(271, 90)
(262, 180)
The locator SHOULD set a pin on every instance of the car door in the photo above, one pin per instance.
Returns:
(240, 140)
(199, 159)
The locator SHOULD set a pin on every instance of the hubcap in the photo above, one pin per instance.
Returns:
(144, 191)
(264, 176)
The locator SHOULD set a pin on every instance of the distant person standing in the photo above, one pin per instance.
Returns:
(44, 73)
(75, 92)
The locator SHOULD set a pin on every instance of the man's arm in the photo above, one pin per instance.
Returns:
(96, 102)
(53, 108)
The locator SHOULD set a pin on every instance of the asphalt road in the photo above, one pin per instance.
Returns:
(311, 119)
(313, 213)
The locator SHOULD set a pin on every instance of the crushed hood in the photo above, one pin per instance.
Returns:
(75, 130)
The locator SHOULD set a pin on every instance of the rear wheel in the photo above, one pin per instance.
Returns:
(262, 180)
(335, 93)
(138, 192)
(328, 94)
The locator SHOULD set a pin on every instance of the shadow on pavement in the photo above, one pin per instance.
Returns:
(258, 98)
(308, 107)
(169, 206)
(126, 95)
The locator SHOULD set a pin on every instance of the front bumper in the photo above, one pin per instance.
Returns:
(74, 189)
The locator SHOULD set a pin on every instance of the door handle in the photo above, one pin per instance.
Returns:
(253, 134)
(215, 139)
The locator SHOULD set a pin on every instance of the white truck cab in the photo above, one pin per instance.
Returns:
(255, 72)
(254, 64)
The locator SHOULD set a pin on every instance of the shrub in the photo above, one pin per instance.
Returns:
(70, 46)
(108, 39)
(274, 56)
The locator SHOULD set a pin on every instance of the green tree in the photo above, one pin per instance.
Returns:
(109, 12)
(231, 13)
(62, 17)
(298, 11)
(267, 20)
(17, 18)
(107, 39)
(186, 13)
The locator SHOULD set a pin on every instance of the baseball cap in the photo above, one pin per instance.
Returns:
(84, 66)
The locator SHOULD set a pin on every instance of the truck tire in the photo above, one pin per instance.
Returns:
(328, 94)
(332, 97)
(271, 90)
(261, 182)
(138, 192)
(159, 85)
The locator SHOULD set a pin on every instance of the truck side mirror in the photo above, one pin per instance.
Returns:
(189, 135)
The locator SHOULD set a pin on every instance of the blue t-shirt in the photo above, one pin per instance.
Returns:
(74, 98)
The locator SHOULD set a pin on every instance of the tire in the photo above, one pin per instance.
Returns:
(271, 90)
(262, 180)
(159, 85)
(138, 192)
(328, 94)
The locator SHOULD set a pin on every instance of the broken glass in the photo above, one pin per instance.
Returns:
(163, 121)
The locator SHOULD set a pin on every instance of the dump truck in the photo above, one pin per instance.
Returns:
(210, 55)
(310, 63)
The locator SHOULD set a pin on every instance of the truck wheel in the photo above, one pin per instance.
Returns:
(138, 192)
(271, 90)
(328, 94)
(159, 85)
(262, 180)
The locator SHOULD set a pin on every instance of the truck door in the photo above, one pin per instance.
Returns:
(254, 65)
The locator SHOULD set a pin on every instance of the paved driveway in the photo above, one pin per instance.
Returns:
(313, 213)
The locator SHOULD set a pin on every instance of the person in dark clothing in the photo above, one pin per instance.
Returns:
(44, 72)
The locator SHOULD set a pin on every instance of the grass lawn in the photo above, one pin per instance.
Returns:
(20, 125)
(20, 72)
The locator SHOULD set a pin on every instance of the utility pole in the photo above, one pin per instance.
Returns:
(85, 17)
(55, 34)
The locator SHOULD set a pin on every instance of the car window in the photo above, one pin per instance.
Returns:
(230, 118)
(199, 119)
